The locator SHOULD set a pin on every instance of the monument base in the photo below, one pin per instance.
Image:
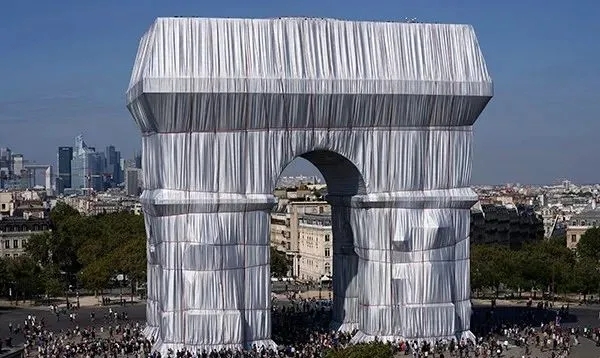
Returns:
(164, 348)
(343, 327)
(151, 333)
(361, 337)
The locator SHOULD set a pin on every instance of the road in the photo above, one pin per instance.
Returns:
(579, 317)
(18, 315)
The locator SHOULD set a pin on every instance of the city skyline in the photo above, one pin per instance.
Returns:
(77, 166)
(544, 72)
(305, 169)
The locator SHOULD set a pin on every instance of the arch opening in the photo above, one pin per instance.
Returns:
(341, 175)
(321, 240)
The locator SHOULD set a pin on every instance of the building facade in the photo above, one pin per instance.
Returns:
(287, 226)
(580, 223)
(509, 225)
(280, 231)
(15, 232)
(7, 204)
(314, 249)
(132, 181)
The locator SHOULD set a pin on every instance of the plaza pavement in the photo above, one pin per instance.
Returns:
(581, 316)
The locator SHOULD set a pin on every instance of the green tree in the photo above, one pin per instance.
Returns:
(589, 244)
(91, 248)
(491, 265)
(52, 280)
(96, 275)
(364, 350)
(4, 276)
(280, 265)
(60, 213)
(558, 240)
(23, 277)
(585, 277)
(546, 265)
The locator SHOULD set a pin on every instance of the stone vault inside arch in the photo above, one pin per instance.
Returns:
(224, 104)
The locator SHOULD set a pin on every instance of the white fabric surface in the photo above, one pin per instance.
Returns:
(384, 110)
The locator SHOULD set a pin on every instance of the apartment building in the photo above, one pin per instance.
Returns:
(16, 231)
(288, 223)
(509, 225)
(103, 204)
(580, 223)
(314, 254)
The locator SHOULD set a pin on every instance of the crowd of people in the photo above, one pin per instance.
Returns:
(301, 329)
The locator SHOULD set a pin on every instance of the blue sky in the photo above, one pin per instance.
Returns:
(64, 67)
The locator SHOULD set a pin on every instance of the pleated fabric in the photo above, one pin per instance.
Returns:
(384, 110)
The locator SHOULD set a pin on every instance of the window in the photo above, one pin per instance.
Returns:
(327, 268)
(7, 244)
(326, 238)
(573, 238)
(15, 244)
(327, 252)
(574, 223)
(583, 223)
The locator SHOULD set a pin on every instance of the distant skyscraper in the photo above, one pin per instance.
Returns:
(63, 181)
(132, 181)
(86, 167)
(118, 172)
(18, 164)
(138, 160)
(96, 171)
(6, 167)
(48, 181)
(6, 164)
(113, 165)
(123, 166)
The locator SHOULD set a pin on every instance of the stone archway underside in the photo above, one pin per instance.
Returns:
(225, 104)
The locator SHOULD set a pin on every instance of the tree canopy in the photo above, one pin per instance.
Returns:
(90, 249)
(280, 265)
(589, 244)
(364, 350)
(545, 265)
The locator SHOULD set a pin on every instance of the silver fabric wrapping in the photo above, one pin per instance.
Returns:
(345, 270)
(419, 259)
(225, 104)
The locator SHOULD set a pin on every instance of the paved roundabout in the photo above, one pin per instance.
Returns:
(580, 316)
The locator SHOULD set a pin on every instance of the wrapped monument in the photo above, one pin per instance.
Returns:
(384, 110)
